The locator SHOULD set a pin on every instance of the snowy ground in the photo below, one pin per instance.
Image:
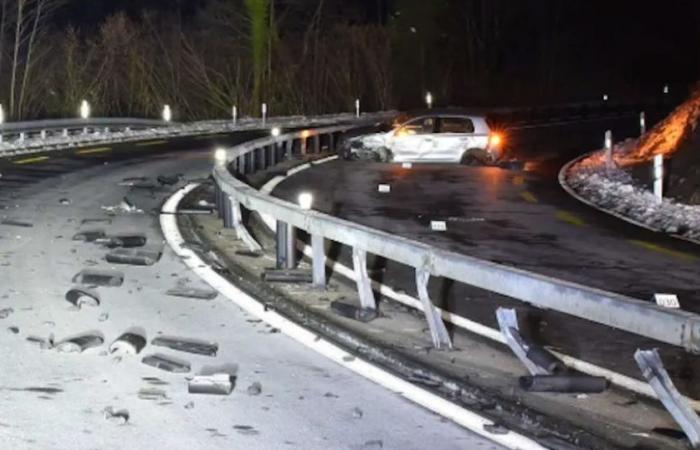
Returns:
(616, 192)
(53, 400)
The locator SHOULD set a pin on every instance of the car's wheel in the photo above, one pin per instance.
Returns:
(474, 157)
(383, 154)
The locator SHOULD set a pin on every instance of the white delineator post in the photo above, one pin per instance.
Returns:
(167, 113)
(234, 114)
(429, 100)
(642, 123)
(659, 177)
(357, 108)
(608, 150)
(263, 109)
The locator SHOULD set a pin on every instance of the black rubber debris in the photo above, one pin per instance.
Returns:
(249, 253)
(5, 312)
(119, 417)
(188, 292)
(17, 223)
(353, 312)
(83, 297)
(124, 241)
(133, 256)
(90, 277)
(101, 220)
(216, 384)
(168, 180)
(80, 343)
(575, 383)
(187, 345)
(545, 359)
(129, 343)
(287, 276)
(89, 235)
(166, 363)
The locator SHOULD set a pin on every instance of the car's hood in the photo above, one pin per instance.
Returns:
(370, 140)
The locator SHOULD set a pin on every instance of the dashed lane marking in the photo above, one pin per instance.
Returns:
(663, 250)
(89, 151)
(33, 160)
(528, 197)
(150, 143)
(566, 216)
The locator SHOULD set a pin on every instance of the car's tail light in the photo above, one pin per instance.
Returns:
(495, 140)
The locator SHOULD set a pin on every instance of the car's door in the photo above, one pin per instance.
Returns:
(454, 136)
(413, 139)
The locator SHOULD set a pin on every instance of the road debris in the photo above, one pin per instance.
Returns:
(129, 343)
(80, 343)
(574, 383)
(166, 363)
(190, 292)
(134, 257)
(91, 277)
(5, 312)
(216, 384)
(44, 343)
(246, 430)
(254, 389)
(152, 394)
(353, 312)
(119, 417)
(16, 223)
(123, 240)
(187, 345)
(13, 330)
(80, 297)
(357, 413)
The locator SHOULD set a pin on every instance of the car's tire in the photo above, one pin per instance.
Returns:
(474, 157)
(383, 154)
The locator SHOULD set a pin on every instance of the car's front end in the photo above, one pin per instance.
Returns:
(363, 147)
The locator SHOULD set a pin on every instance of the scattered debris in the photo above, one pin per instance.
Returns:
(46, 344)
(187, 345)
(169, 180)
(353, 312)
(375, 443)
(495, 428)
(167, 363)
(133, 257)
(124, 206)
(109, 278)
(5, 312)
(83, 297)
(103, 317)
(189, 292)
(254, 389)
(357, 413)
(89, 235)
(330, 395)
(80, 343)
(152, 394)
(575, 383)
(129, 343)
(216, 384)
(189, 405)
(13, 330)
(64, 201)
(124, 241)
(287, 276)
(155, 381)
(119, 417)
(246, 430)
(99, 220)
(16, 223)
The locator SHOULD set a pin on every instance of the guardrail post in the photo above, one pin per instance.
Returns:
(317, 144)
(364, 284)
(263, 156)
(653, 371)
(291, 247)
(508, 323)
(281, 245)
(659, 177)
(227, 213)
(289, 148)
(241, 231)
(22, 136)
(438, 331)
(318, 254)
(331, 142)
(218, 201)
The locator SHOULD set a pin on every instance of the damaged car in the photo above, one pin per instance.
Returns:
(444, 138)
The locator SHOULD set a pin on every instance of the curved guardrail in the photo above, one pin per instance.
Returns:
(675, 327)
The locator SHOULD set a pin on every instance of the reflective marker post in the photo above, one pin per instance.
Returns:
(642, 123)
(608, 151)
(659, 177)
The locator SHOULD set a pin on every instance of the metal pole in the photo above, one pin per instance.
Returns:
(659, 177)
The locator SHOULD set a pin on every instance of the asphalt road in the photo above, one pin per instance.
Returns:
(56, 400)
(521, 219)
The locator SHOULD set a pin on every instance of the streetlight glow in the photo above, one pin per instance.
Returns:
(167, 113)
(220, 155)
(85, 110)
(306, 199)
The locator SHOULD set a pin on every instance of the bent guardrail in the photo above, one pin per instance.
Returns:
(675, 327)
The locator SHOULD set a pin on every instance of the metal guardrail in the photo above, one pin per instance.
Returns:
(636, 316)
(75, 124)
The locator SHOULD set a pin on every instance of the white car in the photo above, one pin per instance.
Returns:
(451, 138)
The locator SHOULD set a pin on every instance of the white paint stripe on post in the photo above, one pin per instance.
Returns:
(428, 400)
(659, 177)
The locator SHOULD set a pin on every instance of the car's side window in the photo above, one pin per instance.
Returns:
(456, 125)
(420, 126)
